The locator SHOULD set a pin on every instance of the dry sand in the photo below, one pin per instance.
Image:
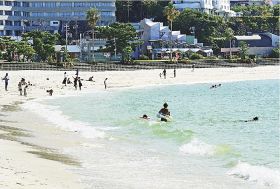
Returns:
(31, 154)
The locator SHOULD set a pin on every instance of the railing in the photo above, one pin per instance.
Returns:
(122, 67)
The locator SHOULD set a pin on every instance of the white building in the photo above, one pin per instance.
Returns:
(220, 7)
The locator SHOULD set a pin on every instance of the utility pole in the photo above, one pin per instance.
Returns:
(115, 47)
(66, 40)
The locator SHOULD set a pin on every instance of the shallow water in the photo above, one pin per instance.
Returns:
(207, 145)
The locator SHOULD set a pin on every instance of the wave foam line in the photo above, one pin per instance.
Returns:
(56, 117)
(259, 174)
(196, 147)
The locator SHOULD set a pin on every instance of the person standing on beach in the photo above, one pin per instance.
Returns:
(105, 83)
(164, 73)
(6, 79)
(75, 82)
(20, 88)
(174, 72)
(77, 72)
(80, 83)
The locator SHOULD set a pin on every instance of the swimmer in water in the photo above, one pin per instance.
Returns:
(145, 117)
(164, 111)
(254, 119)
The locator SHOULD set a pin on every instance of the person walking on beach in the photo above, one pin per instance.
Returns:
(80, 83)
(160, 74)
(6, 79)
(65, 79)
(164, 112)
(174, 72)
(164, 73)
(193, 68)
(77, 72)
(105, 83)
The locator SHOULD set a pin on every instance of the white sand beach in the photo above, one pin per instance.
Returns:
(31, 154)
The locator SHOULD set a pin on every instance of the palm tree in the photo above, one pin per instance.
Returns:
(93, 16)
(229, 34)
(171, 13)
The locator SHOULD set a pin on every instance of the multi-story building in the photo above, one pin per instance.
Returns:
(18, 16)
(220, 7)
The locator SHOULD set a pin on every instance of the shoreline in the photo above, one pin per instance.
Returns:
(42, 131)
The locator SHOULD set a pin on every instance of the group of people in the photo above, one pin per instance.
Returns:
(215, 86)
(164, 73)
(78, 81)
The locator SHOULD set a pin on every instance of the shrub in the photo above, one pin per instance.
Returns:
(143, 57)
(196, 56)
(275, 53)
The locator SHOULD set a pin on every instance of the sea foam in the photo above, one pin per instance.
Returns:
(55, 116)
(259, 174)
(196, 147)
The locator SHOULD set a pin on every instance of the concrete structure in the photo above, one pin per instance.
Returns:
(259, 44)
(159, 41)
(48, 15)
(220, 7)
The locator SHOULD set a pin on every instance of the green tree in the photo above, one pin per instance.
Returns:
(229, 33)
(127, 54)
(93, 16)
(243, 46)
(171, 13)
(119, 36)
(43, 44)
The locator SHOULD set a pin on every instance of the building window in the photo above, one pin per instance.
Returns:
(25, 4)
(17, 33)
(50, 4)
(37, 14)
(51, 14)
(107, 13)
(37, 4)
(65, 14)
(1, 32)
(1, 12)
(17, 4)
(1, 2)
(9, 13)
(1, 22)
(17, 23)
(8, 23)
(8, 3)
(79, 14)
(9, 32)
(17, 13)
(66, 4)
(26, 14)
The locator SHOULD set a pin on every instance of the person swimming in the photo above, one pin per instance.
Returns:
(164, 112)
(254, 119)
(145, 117)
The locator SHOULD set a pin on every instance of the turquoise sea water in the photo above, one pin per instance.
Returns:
(207, 145)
